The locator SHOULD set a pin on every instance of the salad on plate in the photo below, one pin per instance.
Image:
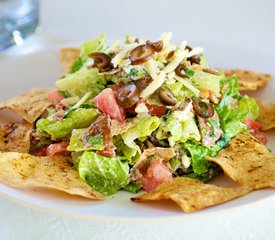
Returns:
(139, 115)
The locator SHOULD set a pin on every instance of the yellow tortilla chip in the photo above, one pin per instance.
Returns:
(24, 170)
(15, 137)
(266, 114)
(247, 162)
(68, 57)
(192, 195)
(249, 80)
(29, 105)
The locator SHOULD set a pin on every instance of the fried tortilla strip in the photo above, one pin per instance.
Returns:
(15, 137)
(249, 80)
(29, 105)
(192, 195)
(67, 57)
(266, 115)
(247, 162)
(24, 170)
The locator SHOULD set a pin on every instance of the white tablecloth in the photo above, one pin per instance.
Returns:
(246, 24)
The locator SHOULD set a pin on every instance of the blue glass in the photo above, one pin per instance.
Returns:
(18, 20)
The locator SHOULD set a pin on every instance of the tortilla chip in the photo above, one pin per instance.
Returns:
(24, 170)
(249, 80)
(15, 137)
(29, 105)
(192, 195)
(266, 115)
(247, 162)
(67, 57)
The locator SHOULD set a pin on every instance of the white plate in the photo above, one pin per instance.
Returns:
(43, 68)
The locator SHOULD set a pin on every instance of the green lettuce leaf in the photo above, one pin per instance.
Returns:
(198, 153)
(96, 45)
(234, 109)
(106, 175)
(133, 187)
(178, 131)
(81, 82)
(143, 127)
(77, 144)
(79, 118)
(207, 81)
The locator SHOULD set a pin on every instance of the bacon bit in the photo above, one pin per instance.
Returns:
(102, 126)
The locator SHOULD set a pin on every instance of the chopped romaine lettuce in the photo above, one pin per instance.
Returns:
(133, 187)
(96, 45)
(234, 109)
(77, 144)
(106, 175)
(207, 81)
(198, 153)
(179, 131)
(79, 118)
(81, 82)
(143, 127)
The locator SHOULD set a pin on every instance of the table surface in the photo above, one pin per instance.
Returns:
(248, 24)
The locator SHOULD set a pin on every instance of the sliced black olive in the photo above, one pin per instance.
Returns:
(203, 109)
(194, 59)
(101, 60)
(179, 69)
(128, 96)
(157, 46)
(167, 97)
(141, 54)
(170, 55)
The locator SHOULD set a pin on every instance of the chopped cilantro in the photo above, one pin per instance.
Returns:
(133, 72)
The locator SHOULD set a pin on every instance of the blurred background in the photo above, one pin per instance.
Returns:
(245, 23)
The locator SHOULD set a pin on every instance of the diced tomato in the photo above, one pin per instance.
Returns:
(256, 130)
(55, 97)
(260, 136)
(41, 152)
(155, 110)
(107, 103)
(253, 125)
(156, 174)
(57, 148)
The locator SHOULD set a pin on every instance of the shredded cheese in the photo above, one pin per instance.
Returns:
(156, 84)
(188, 85)
(123, 54)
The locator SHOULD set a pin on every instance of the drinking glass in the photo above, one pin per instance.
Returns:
(18, 20)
